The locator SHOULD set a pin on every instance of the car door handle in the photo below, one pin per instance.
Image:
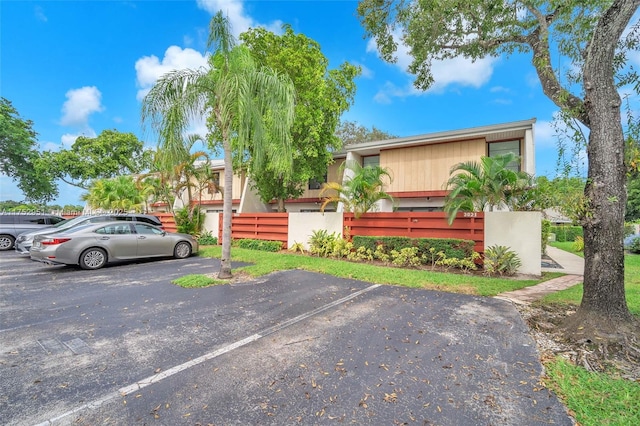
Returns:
(104, 238)
(142, 237)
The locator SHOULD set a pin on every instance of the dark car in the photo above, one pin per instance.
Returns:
(25, 240)
(13, 224)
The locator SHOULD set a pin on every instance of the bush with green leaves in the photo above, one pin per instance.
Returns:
(451, 247)
(634, 246)
(629, 229)
(321, 242)
(465, 265)
(262, 245)
(407, 256)
(207, 239)
(546, 231)
(189, 225)
(567, 233)
(578, 244)
(501, 260)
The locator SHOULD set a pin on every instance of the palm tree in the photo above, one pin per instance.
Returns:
(487, 184)
(120, 193)
(243, 104)
(361, 190)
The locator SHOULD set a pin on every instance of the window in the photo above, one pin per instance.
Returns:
(372, 160)
(501, 148)
(213, 186)
(315, 184)
(146, 229)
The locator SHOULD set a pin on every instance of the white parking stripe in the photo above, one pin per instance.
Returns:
(156, 378)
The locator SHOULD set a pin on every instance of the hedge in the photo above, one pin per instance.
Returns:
(566, 233)
(263, 245)
(452, 248)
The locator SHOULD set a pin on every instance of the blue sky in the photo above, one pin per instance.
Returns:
(80, 67)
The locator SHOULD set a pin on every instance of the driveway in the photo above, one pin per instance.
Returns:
(122, 345)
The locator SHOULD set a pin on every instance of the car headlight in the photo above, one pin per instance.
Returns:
(21, 238)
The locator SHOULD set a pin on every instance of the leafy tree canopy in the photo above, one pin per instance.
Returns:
(322, 95)
(120, 193)
(350, 132)
(19, 154)
(592, 40)
(106, 156)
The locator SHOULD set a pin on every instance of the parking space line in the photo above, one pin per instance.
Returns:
(156, 378)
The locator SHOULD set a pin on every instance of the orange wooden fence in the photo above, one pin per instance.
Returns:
(467, 226)
(258, 226)
(168, 221)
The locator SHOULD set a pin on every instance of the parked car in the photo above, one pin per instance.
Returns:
(25, 240)
(13, 224)
(93, 245)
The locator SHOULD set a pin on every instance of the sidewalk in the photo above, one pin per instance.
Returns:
(572, 265)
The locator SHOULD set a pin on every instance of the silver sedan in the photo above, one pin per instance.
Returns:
(94, 245)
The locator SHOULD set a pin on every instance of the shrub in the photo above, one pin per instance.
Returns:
(546, 231)
(566, 233)
(452, 248)
(262, 245)
(578, 244)
(500, 260)
(206, 239)
(466, 265)
(187, 225)
(629, 229)
(321, 242)
(407, 256)
(634, 246)
(297, 248)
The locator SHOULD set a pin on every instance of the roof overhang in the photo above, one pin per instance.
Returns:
(496, 132)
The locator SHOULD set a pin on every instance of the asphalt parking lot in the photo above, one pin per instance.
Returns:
(122, 345)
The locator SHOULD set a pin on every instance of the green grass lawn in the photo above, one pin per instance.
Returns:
(573, 295)
(597, 398)
(265, 262)
(567, 246)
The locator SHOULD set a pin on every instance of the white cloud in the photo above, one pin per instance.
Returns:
(238, 18)
(149, 68)
(446, 73)
(500, 89)
(366, 72)
(69, 138)
(545, 134)
(40, 16)
(80, 104)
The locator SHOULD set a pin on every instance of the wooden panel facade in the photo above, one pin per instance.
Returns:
(427, 167)
(467, 226)
(334, 174)
(258, 226)
(275, 226)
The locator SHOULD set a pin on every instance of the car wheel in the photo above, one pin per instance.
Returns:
(93, 258)
(6, 242)
(182, 250)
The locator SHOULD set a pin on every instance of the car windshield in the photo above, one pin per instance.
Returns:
(71, 222)
(62, 223)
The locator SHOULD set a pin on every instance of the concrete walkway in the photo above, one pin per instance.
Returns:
(572, 265)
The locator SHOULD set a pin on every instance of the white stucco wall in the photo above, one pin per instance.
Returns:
(211, 223)
(302, 225)
(521, 232)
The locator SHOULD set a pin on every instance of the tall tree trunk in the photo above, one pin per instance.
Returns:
(281, 207)
(603, 303)
(227, 211)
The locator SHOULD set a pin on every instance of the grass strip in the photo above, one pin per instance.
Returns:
(594, 398)
(264, 263)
